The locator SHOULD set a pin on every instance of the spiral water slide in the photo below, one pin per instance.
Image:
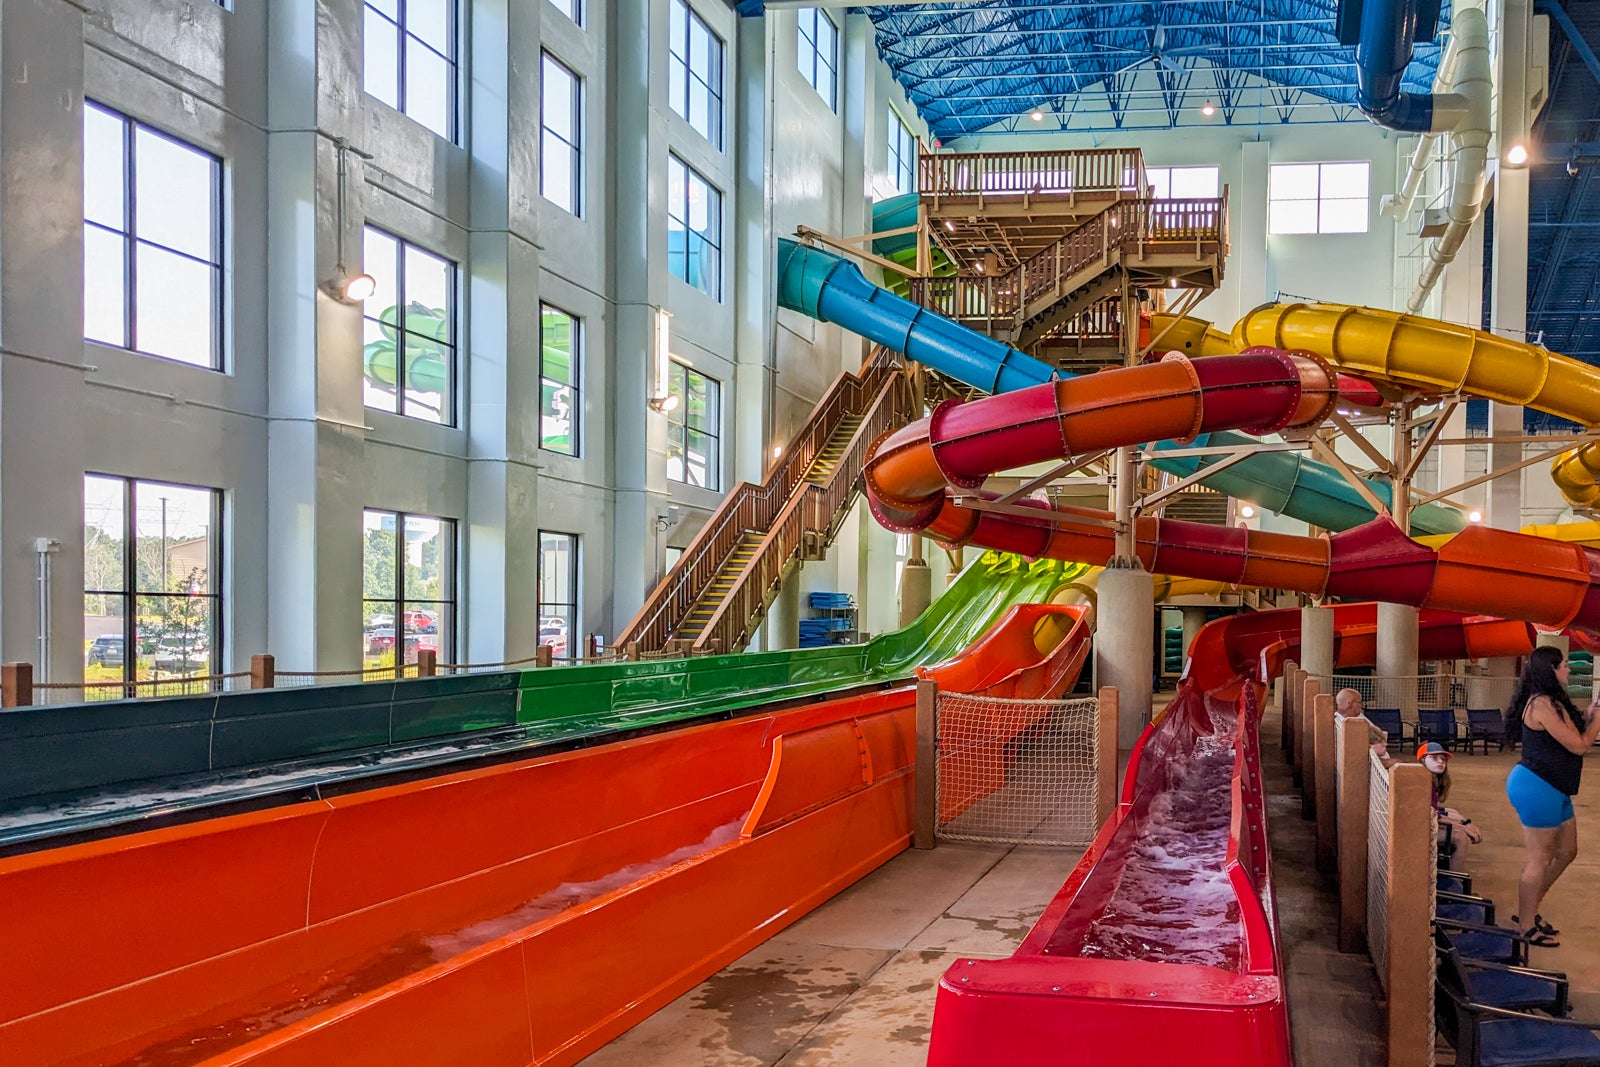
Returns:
(831, 289)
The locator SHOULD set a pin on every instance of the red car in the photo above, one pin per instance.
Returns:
(417, 642)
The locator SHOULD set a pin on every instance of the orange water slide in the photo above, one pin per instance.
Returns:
(914, 475)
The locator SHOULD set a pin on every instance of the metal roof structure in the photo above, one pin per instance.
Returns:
(1000, 66)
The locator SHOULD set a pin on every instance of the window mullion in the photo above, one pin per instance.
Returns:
(401, 345)
(130, 239)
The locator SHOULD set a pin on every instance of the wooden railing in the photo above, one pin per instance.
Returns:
(1066, 171)
(1134, 227)
(816, 511)
(752, 507)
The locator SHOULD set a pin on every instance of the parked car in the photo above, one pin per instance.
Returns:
(418, 642)
(106, 651)
(376, 621)
(555, 637)
(416, 620)
(380, 640)
(176, 654)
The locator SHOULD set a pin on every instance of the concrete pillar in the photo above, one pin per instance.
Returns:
(1561, 641)
(1397, 658)
(1316, 640)
(782, 624)
(916, 590)
(1124, 645)
(754, 244)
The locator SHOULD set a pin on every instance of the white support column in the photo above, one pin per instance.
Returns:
(1397, 657)
(1124, 645)
(1316, 640)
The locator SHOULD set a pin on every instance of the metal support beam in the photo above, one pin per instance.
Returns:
(1379, 460)
(1554, 9)
(1527, 461)
(1054, 474)
(1324, 451)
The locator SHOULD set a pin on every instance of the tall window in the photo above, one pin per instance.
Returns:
(694, 428)
(902, 155)
(410, 59)
(558, 592)
(152, 557)
(573, 9)
(1318, 197)
(409, 361)
(1184, 183)
(819, 54)
(694, 228)
(152, 241)
(695, 78)
(408, 587)
(560, 336)
(561, 142)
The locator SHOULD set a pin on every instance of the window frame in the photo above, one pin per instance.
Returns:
(902, 154)
(130, 594)
(678, 426)
(129, 236)
(575, 14)
(1320, 199)
(449, 603)
(548, 59)
(575, 365)
(546, 608)
(692, 175)
(403, 35)
(817, 17)
(452, 293)
(714, 78)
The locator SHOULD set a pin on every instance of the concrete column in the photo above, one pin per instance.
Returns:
(41, 286)
(754, 245)
(1316, 640)
(916, 590)
(1247, 218)
(782, 624)
(1397, 657)
(1561, 641)
(1124, 645)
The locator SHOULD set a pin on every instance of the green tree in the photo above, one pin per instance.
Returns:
(378, 581)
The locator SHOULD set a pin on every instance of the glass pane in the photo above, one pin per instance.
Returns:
(380, 72)
(105, 651)
(388, 7)
(556, 418)
(430, 20)
(380, 257)
(173, 528)
(378, 555)
(429, 288)
(429, 81)
(700, 108)
(174, 195)
(175, 312)
(699, 46)
(427, 626)
(1344, 216)
(103, 526)
(1344, 180)
(105, 287)
(557, 328)
(1292, 216)
(175, 634)
(1292, 181)
(103, 175)
(1159, 179)
(702, 459)
(556, 105)
(425, 562)
(573, 9)
(678, 29)
(379, 360)
(1195, 182)
(677, 86)
(555, 171)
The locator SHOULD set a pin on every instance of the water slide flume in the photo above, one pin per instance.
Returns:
(1161, 947)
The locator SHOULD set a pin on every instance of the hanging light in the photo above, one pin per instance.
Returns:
(1037, 116)
(1207, 109)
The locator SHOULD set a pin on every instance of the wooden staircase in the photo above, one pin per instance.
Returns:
(722, 584)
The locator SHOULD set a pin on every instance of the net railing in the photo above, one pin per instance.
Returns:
(1460, 692)
(1378, 869)
(1017, 771)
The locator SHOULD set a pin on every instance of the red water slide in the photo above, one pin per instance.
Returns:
(915, 473)
(1191, 973)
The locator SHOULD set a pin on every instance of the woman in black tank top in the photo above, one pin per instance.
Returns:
(1554, 737)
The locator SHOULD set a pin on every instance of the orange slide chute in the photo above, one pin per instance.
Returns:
(910, 473)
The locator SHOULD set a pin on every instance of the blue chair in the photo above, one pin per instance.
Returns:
(1388, 720)
(1485, 1034)
(1503, 986)
(1486, 726)
(1437, 724)
(1463, 907)
(1476, 941)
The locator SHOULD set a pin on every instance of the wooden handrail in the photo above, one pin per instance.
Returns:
(817, 510)
(750, 507)
(1064, 171)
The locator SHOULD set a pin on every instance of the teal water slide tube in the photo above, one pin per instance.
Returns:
(826, 287)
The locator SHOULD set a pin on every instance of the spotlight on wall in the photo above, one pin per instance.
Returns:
(665, 404)
(1474, 516)
(1247, 512)
(1208, 109)
(356, 288)
(777, 451)
(1517, 154)
(350, 288)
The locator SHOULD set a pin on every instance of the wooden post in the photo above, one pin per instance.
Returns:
(1355, 796)
(1285, 699)
(427, 662)
(543, 656)
(1291, 701)
(1105, 755)
(16, 685)
(630, 652)
(1309, 688)
(927, 795)
(263, 671)
(1411, 866)
(1323, 782)
(591, 646)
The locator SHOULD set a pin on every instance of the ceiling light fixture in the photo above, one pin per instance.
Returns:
(1247, 512)
(1037, 116)
(1208, 109)
(1172, 282)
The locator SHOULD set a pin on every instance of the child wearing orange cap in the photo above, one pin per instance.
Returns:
(1436, 758)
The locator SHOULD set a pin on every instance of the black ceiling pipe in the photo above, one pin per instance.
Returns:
(1389, 29)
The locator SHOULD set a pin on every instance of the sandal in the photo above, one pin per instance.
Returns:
(1539, 926)
(1541, 939)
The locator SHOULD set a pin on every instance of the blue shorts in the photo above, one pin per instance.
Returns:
(1540, 805)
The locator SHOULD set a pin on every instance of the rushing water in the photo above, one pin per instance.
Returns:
(1173, 902)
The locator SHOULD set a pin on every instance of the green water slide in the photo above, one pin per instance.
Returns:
(896, 213)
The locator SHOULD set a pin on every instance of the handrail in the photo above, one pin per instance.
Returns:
(1127, 225)
(817, 509)
(1063, 171)
(751, 507)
